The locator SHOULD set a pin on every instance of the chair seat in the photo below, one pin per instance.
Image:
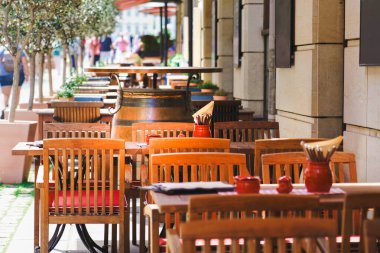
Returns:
(116, 196)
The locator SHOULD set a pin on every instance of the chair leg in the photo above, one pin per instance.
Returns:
(142, 248)
(127, 234)
(134, 217)
(36, 217)
(122, 248)
(154, 228)
(44, 229)
(114, 238)
(106, 232)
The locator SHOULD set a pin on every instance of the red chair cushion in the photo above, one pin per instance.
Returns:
(116, 196)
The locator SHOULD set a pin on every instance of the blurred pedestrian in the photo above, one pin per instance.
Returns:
(121, 45)
(6, 75)
(106, 49)
(95, 50)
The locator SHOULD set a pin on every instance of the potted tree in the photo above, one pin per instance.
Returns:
(220, 95)
(209, 87)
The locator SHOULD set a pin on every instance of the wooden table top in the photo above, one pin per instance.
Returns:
(154, 69)
(103, 111)
(178, 203)
(27, 148)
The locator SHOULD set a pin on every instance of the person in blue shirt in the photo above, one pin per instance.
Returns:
(106, 49)
(6, 78)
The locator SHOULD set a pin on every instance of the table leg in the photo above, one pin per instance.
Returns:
(155, 81)
(37, 162)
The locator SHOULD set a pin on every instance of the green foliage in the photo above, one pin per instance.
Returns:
(176, 61)
(68, 89)
(208, 85)
(221, 92)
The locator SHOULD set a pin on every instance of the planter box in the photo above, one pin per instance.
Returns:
(15, 169)
(217, 98)
(36, 105)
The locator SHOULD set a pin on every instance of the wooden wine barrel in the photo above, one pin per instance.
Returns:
(149, 105)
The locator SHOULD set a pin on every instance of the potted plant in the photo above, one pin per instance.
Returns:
(220, 95)
(208, 86)
(65, 94)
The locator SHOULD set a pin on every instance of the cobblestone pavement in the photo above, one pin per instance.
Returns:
(15, 201)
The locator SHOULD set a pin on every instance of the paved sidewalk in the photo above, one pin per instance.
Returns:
(14, 204)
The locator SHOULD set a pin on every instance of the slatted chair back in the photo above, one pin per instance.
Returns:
(197, 166)
(165, 129)
(89, 190)
(277, 145)
(250, 206)
(246, 131)
(76, 130)
(368, 207)
(343, 166)
(371, 235)
(75, 111)
(243, 236)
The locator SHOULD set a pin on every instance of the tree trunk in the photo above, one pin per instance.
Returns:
(64, 55)
(80, 57)
(50, 72)
(16, 80)
(76, 62)
(41, 61)
(32, 79)
(69, 60)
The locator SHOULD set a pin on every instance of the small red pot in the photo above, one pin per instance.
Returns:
(284, 185)
(150, 136)
(245, 185)
(201, 131)
(318, 177)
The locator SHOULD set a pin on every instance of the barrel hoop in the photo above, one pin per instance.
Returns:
(123, 122)
(134, 96)
(153, 102)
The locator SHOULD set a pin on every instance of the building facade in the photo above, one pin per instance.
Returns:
(321, 91)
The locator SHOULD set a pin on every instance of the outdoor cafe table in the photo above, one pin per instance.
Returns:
(155, 70)
(178, 203)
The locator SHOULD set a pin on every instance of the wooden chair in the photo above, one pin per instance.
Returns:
(67, 130)
(265, 146)
(246, 131)
(252, 206)
(139, 132)
(93, 194)
(244, 234)
(165, 129)
(343, 166)
(371, 234)
(189, 167)
(76, 130)
(74, 111)
(364, 203)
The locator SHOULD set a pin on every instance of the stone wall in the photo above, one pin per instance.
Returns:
(249, 78)
(309, 95)
(361, 101)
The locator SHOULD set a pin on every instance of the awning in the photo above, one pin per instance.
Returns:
(156, 10)
(126, 4)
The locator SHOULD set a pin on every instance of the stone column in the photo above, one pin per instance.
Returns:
(309, 95)
(249, 77)
(361, 101)
(225, 42)
(205, 7)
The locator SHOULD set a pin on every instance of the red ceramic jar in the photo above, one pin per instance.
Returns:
(150, 136)
(245, 185)
(284, 185)
(201, 131)
(318, 177)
